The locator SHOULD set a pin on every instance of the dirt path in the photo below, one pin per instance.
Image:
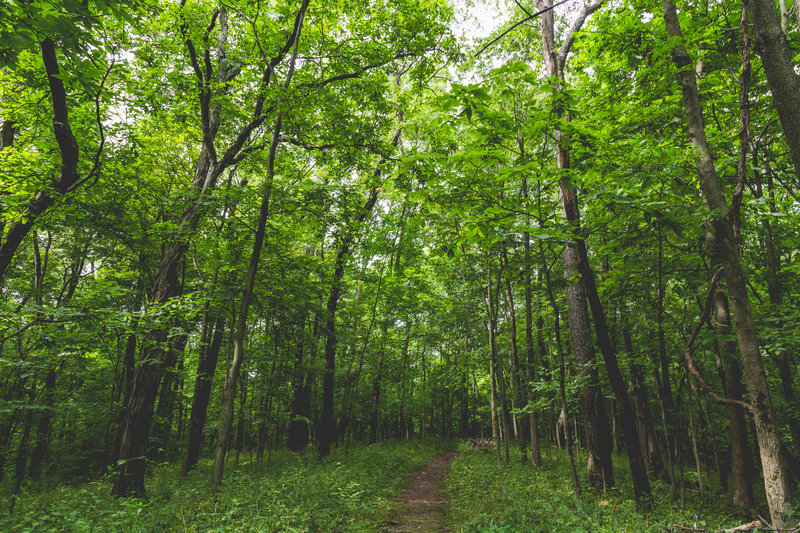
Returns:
(423, 505)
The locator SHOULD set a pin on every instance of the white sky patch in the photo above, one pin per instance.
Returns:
(477, 19)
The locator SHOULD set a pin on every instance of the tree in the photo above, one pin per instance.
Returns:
(776, 480)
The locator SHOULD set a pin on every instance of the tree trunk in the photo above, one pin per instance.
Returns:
(734, 390)
(69, 153)
(43, 428)
(206, 366)
(598, 439)
(561, 373)
(374, 420)
(776, 479)
(776, 56)
(516, 372)
(644, 423)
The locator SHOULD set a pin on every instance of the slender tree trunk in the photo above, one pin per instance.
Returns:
(561, 373)
(775, 293)
(516, 372)
(206, 367)
(644, 422)
(39, 452)
(374, 420)
(536, 455)
(231, 381)
(694, 442)
(21, 463)
(661, 363)
(401, 415)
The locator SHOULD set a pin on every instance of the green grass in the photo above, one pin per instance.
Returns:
(488, 497)
(295, 493)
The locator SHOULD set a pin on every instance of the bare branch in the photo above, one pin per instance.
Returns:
(99, 119)
(522, 8)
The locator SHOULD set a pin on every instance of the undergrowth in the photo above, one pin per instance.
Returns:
(487, 497)
(347, 492)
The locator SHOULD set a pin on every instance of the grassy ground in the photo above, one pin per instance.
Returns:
(295, 493)
(487, 497)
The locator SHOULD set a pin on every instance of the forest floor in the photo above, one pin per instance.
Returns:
(422, 504)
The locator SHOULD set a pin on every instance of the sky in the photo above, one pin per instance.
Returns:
(478, 19)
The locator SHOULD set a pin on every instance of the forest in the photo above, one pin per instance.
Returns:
(262, 260)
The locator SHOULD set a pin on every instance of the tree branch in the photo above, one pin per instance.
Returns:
(523, 21)
(569, 38)
(687, 353)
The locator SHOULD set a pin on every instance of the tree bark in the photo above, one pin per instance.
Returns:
(598, 438)
(734, 390)
(561, 374)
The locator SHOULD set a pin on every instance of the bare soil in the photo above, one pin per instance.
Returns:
(422, 504)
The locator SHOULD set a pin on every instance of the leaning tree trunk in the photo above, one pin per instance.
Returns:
(232, 379)
(776, 478)
(69, 152)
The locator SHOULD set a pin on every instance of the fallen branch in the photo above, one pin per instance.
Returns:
(744, 527)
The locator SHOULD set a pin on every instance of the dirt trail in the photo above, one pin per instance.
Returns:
(423, 505)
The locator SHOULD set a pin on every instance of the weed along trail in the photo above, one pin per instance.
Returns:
(422, 502)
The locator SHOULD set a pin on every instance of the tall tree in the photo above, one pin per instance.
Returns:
(776, 477)
(575, 258)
